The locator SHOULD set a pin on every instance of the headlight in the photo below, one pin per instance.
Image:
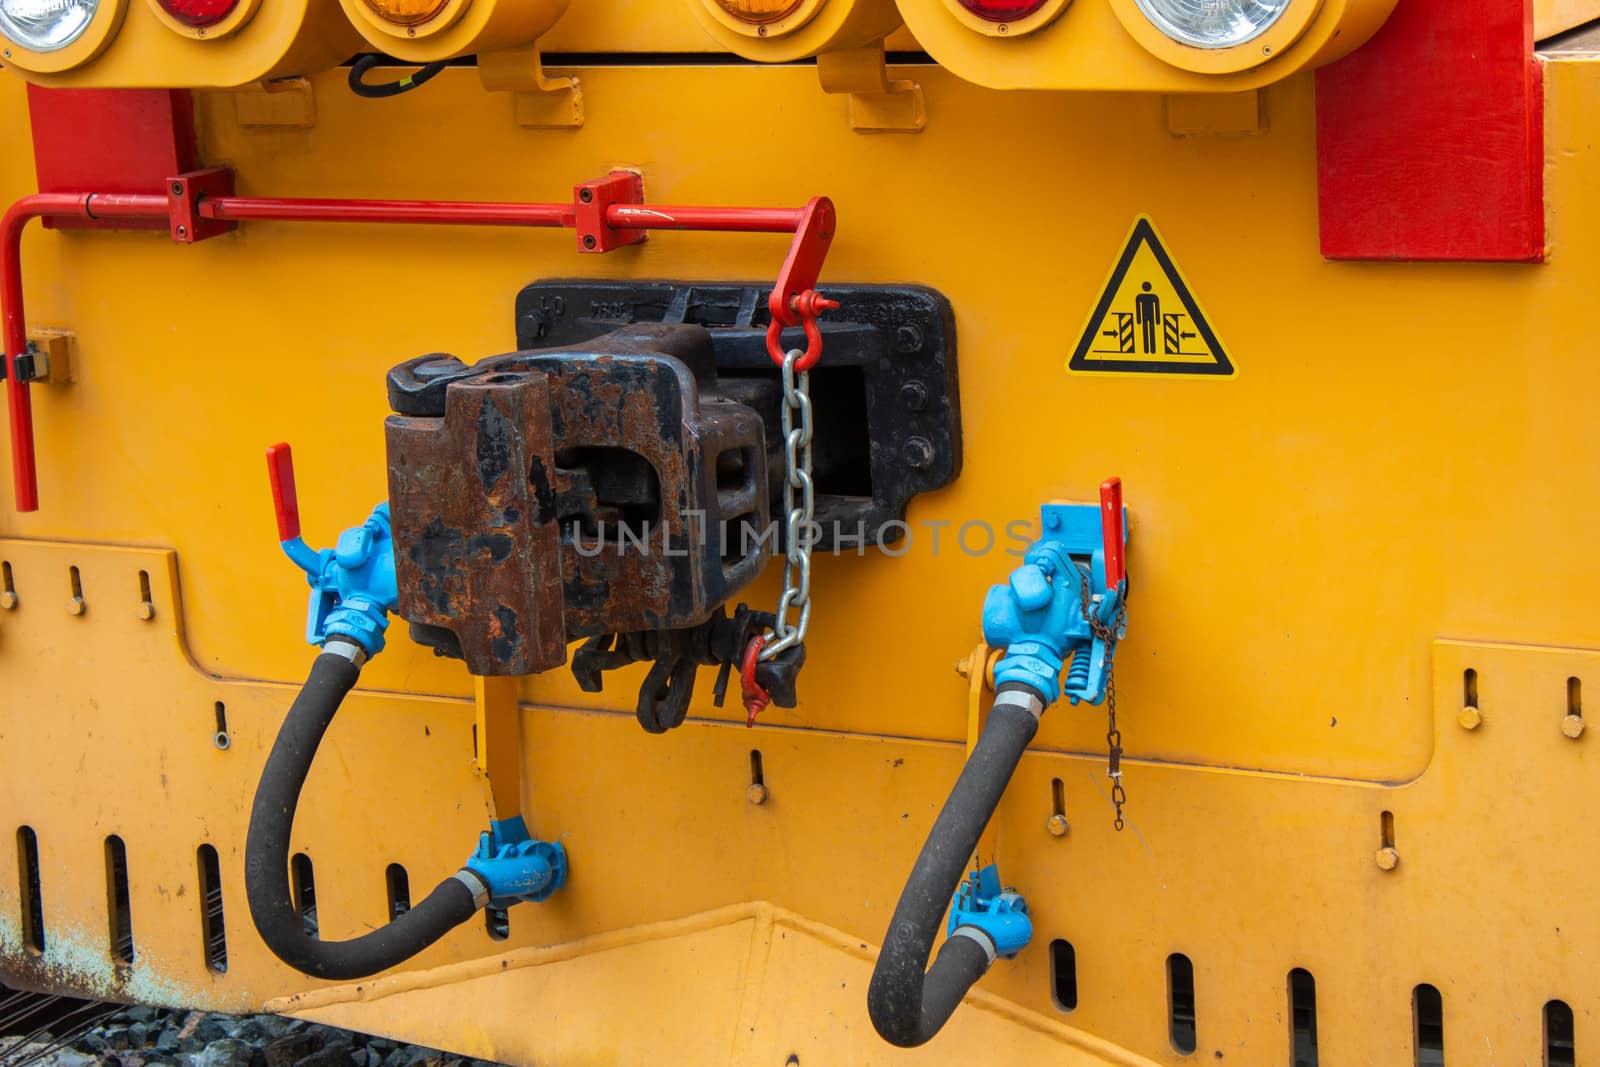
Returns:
(46, 25)
(1213, 23)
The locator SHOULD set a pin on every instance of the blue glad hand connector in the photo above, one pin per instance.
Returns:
(1001, 914)
(1066, 600)
(353, 585)
(515, 866)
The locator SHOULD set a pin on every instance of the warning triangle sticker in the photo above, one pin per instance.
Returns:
(1147, 320)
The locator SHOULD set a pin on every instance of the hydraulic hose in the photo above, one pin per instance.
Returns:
(908, 1003)
(266, 849)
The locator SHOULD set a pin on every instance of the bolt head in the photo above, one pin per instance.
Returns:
(1469, 718)
(1388, 859)
(1572, 726)
(756, 794)
(1057, 825)
(914, 396)
(917, 453)
(147, 610)
(76, 606)
(907, 339)
(8, 600)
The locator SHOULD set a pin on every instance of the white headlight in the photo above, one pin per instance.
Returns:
(45, 25)
(1213, 23)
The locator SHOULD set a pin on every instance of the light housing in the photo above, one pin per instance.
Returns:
(1006, 18)
(428, 31)
(46, 36)
(1115, 46)
(1213, 23)
(204, 20)
(778, 31)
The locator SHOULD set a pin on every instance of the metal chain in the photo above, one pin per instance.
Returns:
(1109, 634)
(800, 507)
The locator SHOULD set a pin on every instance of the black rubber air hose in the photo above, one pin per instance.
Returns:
(382, 90)
(907, 1005)
(266, 852)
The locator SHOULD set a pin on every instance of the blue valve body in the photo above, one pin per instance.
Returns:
(353, 585)
(516, 866)
(1002, 914)
(1038, 615)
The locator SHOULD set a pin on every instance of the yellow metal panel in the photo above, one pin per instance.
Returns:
(1551, 17)
(1404, 460)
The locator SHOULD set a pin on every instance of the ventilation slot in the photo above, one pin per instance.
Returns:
(32, 906)
(305, 892)
(399, 887)
(1559, 1050)
(1064, 974)
(117, 903)
(498, 922)
(1427, 1011)
(216, 934)
(1180, 1002)
(1303, 1017)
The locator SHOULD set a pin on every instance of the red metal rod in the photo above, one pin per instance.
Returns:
(723, 219)
(238, 208)
(422, 212)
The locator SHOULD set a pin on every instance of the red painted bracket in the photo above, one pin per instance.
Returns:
(1112, 534)
(591, 203)
(184, 194)
(1430, 138)
(813, 235)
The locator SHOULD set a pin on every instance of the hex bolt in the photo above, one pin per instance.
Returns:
(1057, 825)
(1051, 520)
(1572, 726)
(756, 794)
(914, 395)
(8, 600)
(917, 453)
(1388, 859)
(908, 339)
(147, 610)
(221, 740)
(1469, 718)
(76, 606)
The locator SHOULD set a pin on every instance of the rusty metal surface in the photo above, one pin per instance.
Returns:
(634, 461)
(475, 534)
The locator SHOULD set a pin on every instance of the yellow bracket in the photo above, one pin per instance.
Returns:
(978, 669)
(540, 102)
(498, 741)
(283, 103)
(877, 104)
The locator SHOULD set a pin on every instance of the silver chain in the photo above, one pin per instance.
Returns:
(800, 508)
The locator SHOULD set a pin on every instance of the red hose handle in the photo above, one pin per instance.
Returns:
(1111, 532)
(280, 471)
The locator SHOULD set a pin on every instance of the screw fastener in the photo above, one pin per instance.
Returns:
(756, 794)
(1469, 718)
(8, 600)
(76, 606)
(1388, 859)
(1057, 825)
(1572, 726)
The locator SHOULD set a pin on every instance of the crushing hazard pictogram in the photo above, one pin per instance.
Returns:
(1147, 321)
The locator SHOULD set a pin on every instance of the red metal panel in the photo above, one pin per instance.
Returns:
(1430, 138)
(110, 141)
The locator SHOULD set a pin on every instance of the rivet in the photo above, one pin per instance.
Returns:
(1388, 859)
(756, 794)
(1469, 718)
(1057, 825)
(1572, 726)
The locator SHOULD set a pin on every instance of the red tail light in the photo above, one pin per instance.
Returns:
(1002, 10)
(199, 14)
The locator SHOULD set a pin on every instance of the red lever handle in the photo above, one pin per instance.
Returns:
(1110, 530)
(280, 470)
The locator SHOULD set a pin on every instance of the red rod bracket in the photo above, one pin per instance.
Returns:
(184, 194)
(280, 471)
(1112, 531)
(592, 200)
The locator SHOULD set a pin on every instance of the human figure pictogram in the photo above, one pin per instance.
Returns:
(1147, 314)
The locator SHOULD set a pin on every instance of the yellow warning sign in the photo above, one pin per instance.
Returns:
(1147, 321)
